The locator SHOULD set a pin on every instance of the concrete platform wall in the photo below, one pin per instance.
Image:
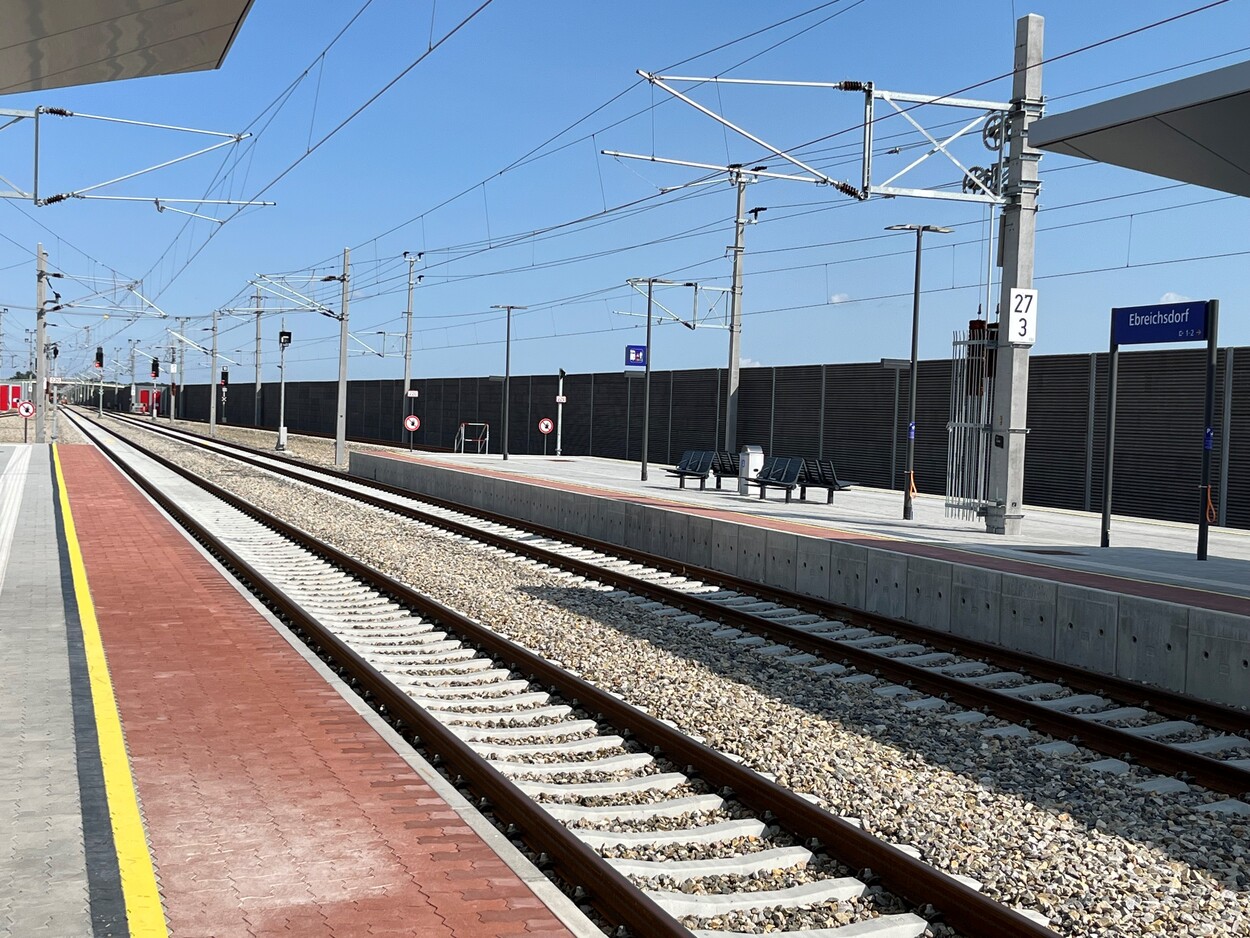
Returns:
(1195, 651)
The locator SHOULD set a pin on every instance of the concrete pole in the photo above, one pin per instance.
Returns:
(412, 262)
(735, 316)
(133, 398)
(909, 473)
(256, 416)
(182, 367)
(212, 384)
(340, 426)
(507, 376)
(1005, 507)
(41, 362)
(646, 387)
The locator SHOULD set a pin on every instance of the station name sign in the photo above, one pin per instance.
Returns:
(1165, 322)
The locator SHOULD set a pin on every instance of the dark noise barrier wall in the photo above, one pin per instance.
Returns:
(842, 411)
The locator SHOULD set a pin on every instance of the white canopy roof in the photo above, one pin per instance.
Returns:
(1195, 130)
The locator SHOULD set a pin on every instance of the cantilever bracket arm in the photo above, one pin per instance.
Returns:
(18, 192)
(818, 177)
(146, 302)
(364, 345)
(637, 287)
(289, 294)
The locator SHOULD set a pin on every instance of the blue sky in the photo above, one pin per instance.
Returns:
(476, 157)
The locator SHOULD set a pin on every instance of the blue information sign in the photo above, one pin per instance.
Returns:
(1165, 322)
(636, 356)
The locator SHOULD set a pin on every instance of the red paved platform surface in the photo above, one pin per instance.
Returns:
(272, 807)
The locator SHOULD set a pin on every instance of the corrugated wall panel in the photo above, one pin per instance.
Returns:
(1054, 454)
(796, 411)
(469, 404)
(755, 408)
(490, 410)
(657, 446)
(450, 407)
(575, 434)
(933, 394)
(542, 404)
(611, 410)
(1238, 507)
(393, 409)
(1159, 434)
(858, 407)
(696, 411)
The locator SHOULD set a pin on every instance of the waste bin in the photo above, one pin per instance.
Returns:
(750, 462)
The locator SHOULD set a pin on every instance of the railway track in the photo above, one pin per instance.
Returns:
(1185, 739)
(623, 805)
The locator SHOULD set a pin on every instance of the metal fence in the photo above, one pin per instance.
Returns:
(848, 412)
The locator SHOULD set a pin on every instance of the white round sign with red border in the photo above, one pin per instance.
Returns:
(412, 423)
(545, 425)
(26, 409)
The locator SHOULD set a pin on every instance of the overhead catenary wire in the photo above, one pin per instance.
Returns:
(490, 273)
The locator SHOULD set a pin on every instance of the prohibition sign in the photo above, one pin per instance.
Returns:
(26, 409)
(545, 425)
(412, 423)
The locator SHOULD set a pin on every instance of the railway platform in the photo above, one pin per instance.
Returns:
(178, 764)
(1144, 609)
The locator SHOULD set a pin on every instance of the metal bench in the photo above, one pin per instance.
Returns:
(725, 465)
(781, 472)
(821, 474)
(694, 464)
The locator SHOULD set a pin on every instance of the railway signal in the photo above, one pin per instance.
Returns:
(99, 356)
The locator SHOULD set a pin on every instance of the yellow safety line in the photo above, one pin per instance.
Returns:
(144, 912)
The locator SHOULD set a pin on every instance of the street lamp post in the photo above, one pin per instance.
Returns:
(910, 488)
(646, 388)
(507, 369)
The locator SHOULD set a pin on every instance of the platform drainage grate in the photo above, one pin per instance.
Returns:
(1051, 552)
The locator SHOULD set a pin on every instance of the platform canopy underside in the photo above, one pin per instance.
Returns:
(1193, 130)
(81, 42)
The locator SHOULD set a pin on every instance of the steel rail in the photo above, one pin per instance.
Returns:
(961, 906)
(1212, 773)
(1162, 700)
